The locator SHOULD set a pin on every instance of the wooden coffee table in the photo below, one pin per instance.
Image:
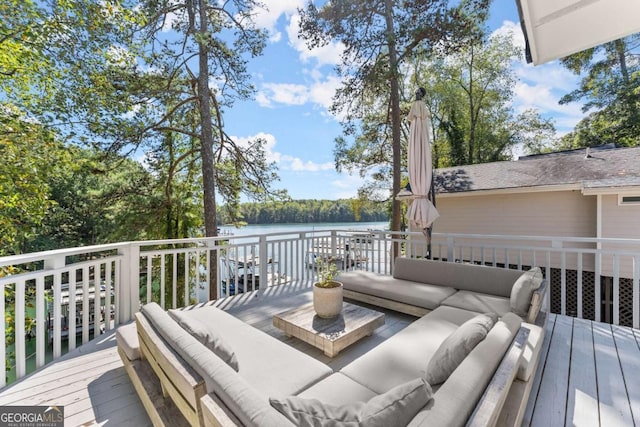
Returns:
(329, 335)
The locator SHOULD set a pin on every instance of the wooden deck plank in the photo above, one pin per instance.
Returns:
(612, 394)
(582, 399)
(552, 395)
(629, 356)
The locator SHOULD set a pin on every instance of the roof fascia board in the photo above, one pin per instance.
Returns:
(513, 190)
(611, 190)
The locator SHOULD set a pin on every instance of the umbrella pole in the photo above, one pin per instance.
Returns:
(432, 197)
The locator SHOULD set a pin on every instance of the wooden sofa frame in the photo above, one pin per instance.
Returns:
(174, 394)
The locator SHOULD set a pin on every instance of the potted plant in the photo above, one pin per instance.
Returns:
(327, 292)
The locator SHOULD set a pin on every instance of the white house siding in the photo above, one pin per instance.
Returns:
(619, 222)
(556, 213)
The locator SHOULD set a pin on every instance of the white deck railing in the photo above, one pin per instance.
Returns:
(109, 282)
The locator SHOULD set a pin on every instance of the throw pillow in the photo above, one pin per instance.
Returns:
(397, 406)
(457, 346)
(522, 291)
(212, 340)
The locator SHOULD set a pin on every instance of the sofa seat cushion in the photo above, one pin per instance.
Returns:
(457, 347)
(394, 408)
(531, 352)
(338, 389)
(454, 402)
(480, 303)
(405, 355)
(127, 339)
(405, 291)
(272, 367)
(251, 407)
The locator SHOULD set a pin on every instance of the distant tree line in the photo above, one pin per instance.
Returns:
(305, 211)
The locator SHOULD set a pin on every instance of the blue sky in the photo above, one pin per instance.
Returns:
(294, 90)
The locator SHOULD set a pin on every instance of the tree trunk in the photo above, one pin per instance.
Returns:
(395, 122)
(206, 145)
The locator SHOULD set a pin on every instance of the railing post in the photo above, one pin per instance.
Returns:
(263, 261)
(128, 297)
(450, 249)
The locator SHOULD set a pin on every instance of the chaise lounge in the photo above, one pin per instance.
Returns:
(203, 366)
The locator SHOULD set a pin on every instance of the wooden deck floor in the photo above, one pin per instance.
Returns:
(589, 374)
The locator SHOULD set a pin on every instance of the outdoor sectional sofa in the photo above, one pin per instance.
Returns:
(218, 370)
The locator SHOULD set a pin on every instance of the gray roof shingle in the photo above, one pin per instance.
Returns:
(605, 167)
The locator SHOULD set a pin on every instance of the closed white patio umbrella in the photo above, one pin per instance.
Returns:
(421, 213)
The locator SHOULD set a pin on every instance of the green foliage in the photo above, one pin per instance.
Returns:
(610, 90)
(327, 272)
(306, 211)
(31, 158)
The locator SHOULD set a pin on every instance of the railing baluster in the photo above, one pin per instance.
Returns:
(3, 342)
(86, 311)
(108, 286)
(616, 289)
(19, 318)
(579, 286)
(71, 306)
(149, 259)
(636, 291)
(162, 280)
(186, 278)
(40, 322)
(174, 280)
(563, 284)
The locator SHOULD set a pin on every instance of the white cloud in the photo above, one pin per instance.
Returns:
(283, 161)
(541, 87)
(268, 17)
(346, 186)
(324, 55)
(319, 93)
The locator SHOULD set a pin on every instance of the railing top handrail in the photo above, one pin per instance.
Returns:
(56, 253)
(52, 254)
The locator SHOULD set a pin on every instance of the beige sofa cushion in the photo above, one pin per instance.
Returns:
(462, 276)
(251, 408)
(338, 389)
(405, 291)
(261, 357)
(523, 291)
(207, 336)
(457, 346)
(454, 401)
(127, 339)
(480, 303)
(394, 408)
(405, 355)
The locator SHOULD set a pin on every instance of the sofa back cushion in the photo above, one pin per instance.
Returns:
(457, 346)
(462, 276)
(207, 336)
(394, 408)
(522, 291)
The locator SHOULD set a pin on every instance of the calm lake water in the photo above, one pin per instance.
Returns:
(283, 228)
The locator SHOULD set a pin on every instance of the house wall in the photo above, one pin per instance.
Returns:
(557, 213)
(619, 222)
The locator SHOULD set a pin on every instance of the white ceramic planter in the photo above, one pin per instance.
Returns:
(327, 302)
